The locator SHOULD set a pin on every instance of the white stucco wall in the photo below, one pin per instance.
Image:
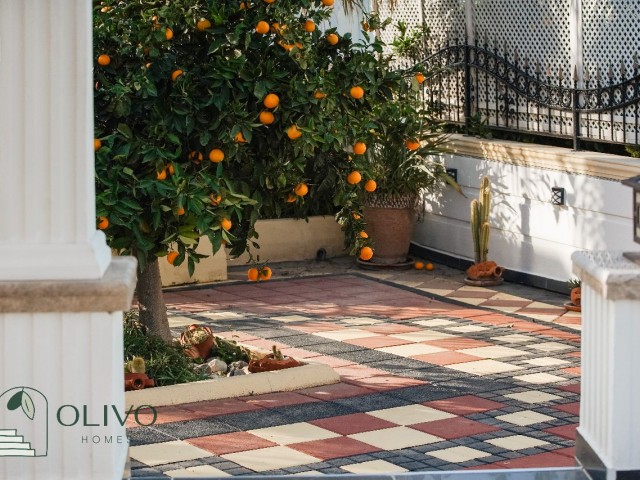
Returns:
(347, 23)
(529, 233)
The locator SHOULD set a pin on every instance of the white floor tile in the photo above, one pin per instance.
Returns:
(396, 438)
(167, 452)
(517, 442)
(484, 367)
(539, 378)
(458, 454)
(524, 418)
(373, 466)
(551, 346)
(271, 458)
(293, 433)
(411, 349)
(514, 338)
(410, 414)
(346, 334)
(422, 336)
(546, 361)
(494, 351)
(533, 396)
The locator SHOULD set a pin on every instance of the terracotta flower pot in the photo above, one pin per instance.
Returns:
(576, 296)
(485, 270)
(269, 363)
(137, 381)
(390, 223)
(200, 350)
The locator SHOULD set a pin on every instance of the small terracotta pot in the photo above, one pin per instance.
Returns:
(269, 363)
(576, 296)
(202, 349)
(137, 381)
(484, 270)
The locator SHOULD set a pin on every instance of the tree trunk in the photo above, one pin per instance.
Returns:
(153, 311)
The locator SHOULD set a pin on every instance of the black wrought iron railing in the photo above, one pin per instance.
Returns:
(479, 86)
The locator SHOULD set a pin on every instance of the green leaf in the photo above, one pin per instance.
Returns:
(28, 407)
(15, 401)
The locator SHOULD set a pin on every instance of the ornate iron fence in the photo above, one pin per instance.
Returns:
(481, 86)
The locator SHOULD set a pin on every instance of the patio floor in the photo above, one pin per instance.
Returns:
(435, 375)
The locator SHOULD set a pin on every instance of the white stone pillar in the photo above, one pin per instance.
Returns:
(47, 224)
(61, 296)
(608, 443)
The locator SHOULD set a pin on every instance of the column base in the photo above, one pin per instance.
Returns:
(595, 467)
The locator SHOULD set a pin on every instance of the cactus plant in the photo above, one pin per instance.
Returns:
(135, 365)
(480, 228)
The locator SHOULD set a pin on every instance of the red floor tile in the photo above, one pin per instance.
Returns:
(355, 423)
(574, 387)
(559, 334)
(358, 371)
(565, 431)
(573, 371)
(219, 407)
(391, 328)
(569, 452)
(334, 448)
(458, 343)
(446, 358)
(280, 399)
(573, 408)
(471, 294)
(574, 354)
(299, 353)
(236, 335)
(385, 382)
(164, 415)
(230, 443)
(377, 342)
(454, 428)
(541, 460)
(464, 405)
(335, 391)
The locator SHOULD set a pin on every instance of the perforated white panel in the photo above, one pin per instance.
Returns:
(407, 11)
(611, 36)
(445, 19)
(538, 29)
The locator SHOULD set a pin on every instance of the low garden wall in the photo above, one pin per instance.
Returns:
(529, 233)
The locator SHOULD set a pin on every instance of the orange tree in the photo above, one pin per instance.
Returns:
(212, 114)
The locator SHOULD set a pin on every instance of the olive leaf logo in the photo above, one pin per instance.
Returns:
(23, 400)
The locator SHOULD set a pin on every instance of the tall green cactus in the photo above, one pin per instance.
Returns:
(480, 228)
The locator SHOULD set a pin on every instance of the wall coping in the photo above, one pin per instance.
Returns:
(601, 165)
(113, 292)
(608, 273)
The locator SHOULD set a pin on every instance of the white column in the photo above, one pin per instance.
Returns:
(61, 295)
(47, 224)
(608, 443)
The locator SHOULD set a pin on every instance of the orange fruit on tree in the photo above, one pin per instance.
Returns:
(239, 138)
(103, 223)
(319, 95)
(429, 266)
(364, 234)
(104, 60)
(356, 92)
(275, 28)
(252, 274)
(333, 39)
(180, 211)
(215, 198)
(97, 144)
(412, 144)
(309, 26)
(291, 198)
(359, 148)
(168, 34)
(195, 157)
(266, 117)
(203, 24)
(171, 169)
(226, 224)
(105, 9)
(271, 100)
(265, 273)
(354, 177)
(293, 133)
(419, 78)
(366, 253)
(356, 216)
(418, 265)
(327, 3)
(243, 6)
(299, 45)
(171, 257)
(216, 155)
(162, 174)
(370, 186)
(301, 189)
(262, 27)
(365, 26)
(175, 74)
(269, 1)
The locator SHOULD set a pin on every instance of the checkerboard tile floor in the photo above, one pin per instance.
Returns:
(431, 379)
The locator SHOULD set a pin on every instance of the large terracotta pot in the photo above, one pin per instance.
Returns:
(390, 224)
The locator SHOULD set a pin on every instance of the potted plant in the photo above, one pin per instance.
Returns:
(575, 288)
(483, 273)
(272, 361)
(199, 340)
(135, 376)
